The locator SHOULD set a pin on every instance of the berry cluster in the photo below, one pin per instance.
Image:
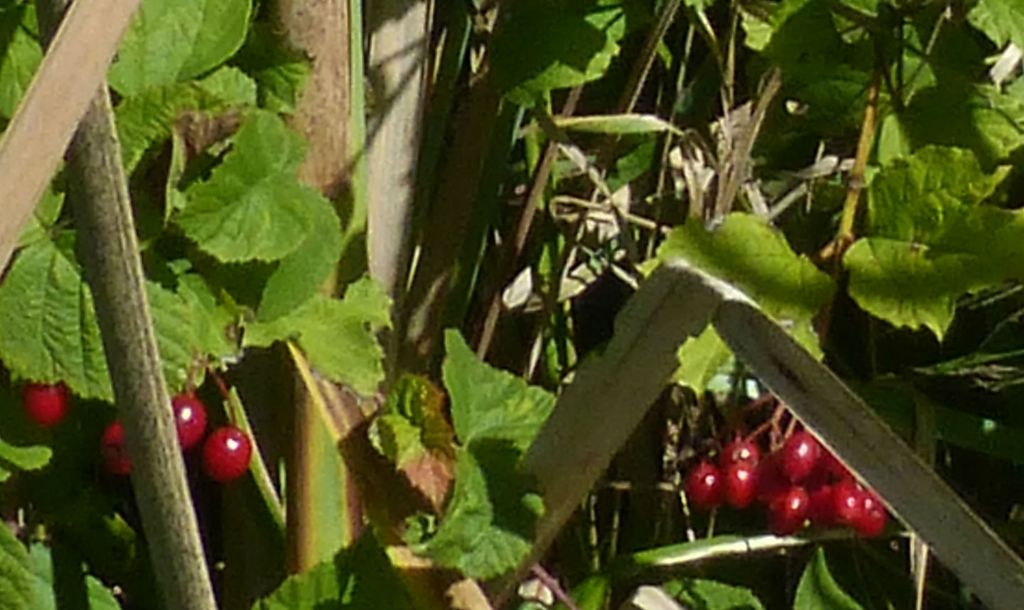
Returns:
(226, 452)
(799, 482)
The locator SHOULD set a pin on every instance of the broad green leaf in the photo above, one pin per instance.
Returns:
(21, 54)
(961, 114)
(819, 591)
(253, 206)
(619, 124)
(18, 589)
(338, 336)
(174, 40)
(487, 528)
(930, 242)
(149, 116)
(175, 331)
(711, 595)
(755, 258)
(98, 597)
(279, 73)
(700, 359)
(45, 215)
(212, 322)
(48, 329)
(545, 45)
(1001, 20)
(489, 403)
(359, 578)
(413, 422)
(397, 438)
(300, 274)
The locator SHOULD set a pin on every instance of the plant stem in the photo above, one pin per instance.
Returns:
(110, 253)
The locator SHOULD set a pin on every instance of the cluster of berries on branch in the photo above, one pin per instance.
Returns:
(226, 451)
(797, 483)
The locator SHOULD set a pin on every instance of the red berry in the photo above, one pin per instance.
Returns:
(740, 484)
(704, 486)
(821, 510)
(189, 419)
(847, 502)
(787, 512)
(800, 455)
(226, 454)
(831, 466)
(873, 517)
(115, 457)
(45, 404)
(770, 480)
(737, 451)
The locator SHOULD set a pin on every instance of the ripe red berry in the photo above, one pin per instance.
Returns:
(787, 512)
(847, 502)
(703, 486)
(226, 454)
(821, 510)
(189, 419)
(832, 467)
(115, 458)
(45, 404)
(739, 450)
(770, 480)
(871, 522)
(800, 455)
(740, 484)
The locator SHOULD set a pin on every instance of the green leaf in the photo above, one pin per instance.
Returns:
(174, 40)
(754, 257)
(930, 241)
(359, 578)
(212, 322)
(48, 329)
(1001, 20)
(300, 274)
(175, 331)
(488, 403)
(487, 528)
(280, 73)
(819, 591)
(958, 113)
(711, 595)
(98, 597)
(21, 54)
(149, 116)
(18, 590)
(619, 124)
(45, 215)
(253, 207)
(700, 359)
(546, 45)
(338, 336)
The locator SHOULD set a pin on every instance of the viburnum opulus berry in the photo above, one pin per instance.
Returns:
(45, 404)
(800, 455)
(189, 419)
(115, 457)
(226, 454)
(703, 486)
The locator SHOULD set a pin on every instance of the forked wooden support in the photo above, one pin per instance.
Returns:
(596, 414)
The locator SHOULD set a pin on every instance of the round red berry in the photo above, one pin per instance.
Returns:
(847, 502)
(832, 467)
(115, 457)
(189, 419)
(740, 484)
(821, 509)
(704, 486)
(226, 454)
(737, 451)
(872, 519)
(45, 404)
(800, 455)
(770, 480)
(787, 512)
